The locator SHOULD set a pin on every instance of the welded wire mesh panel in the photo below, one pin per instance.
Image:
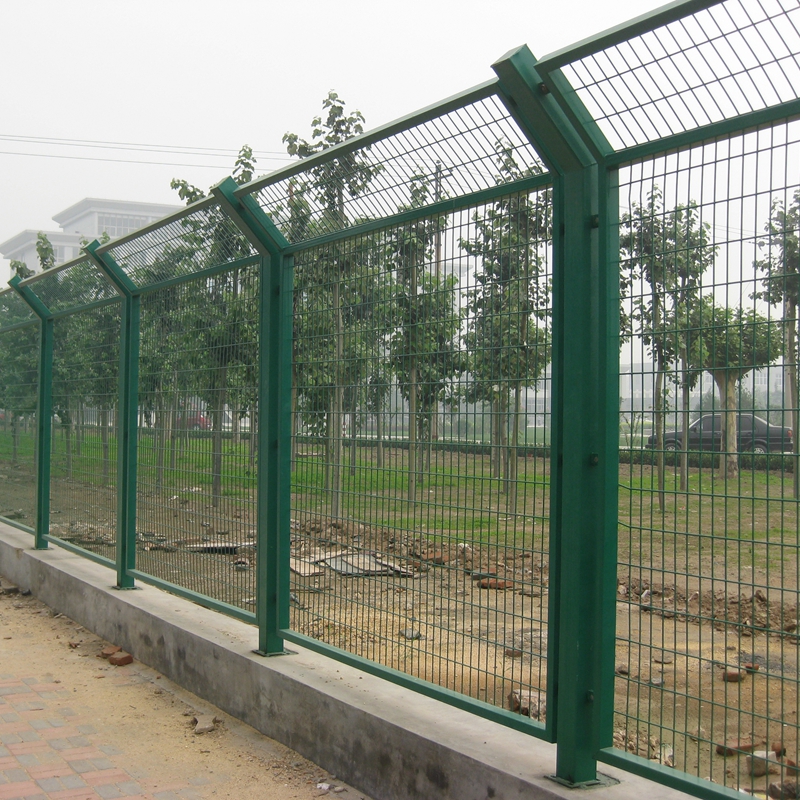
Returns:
(730, 59)
(707, 645)
(19, 372)
(199, 239)
(449, 156)
(77, 284)
(420, 451)
(198, 383)
(13, 309)
(83, 461)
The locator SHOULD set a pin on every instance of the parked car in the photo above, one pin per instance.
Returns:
(194, 421)
(756, 435)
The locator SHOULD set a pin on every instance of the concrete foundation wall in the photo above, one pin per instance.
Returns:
(390, 742)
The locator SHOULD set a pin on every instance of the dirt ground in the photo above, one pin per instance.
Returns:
(471, 615)
(137, 719)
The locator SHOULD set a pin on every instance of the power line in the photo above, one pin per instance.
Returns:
(214, 152)
(114, 160)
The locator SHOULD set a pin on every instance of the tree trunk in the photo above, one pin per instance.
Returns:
(236, 437)
(413, 389)
(685, 399)
(253, 443)
(338, 398)
(81, 427)
(726, 383)
(160, 438)
(502, 436)
(295, 421)
(513, 460)
(379, 436)
(216, 439)
(14, 437)
(173, 434)
(658, 403)
(790, 382)
(106, 446)
(68, 442)
(353, 438)
(494, 437)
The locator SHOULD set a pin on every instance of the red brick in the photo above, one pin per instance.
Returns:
(120, 659)
(80, 753)
(23, 748)
(74, 794)
(495, 583)
(13, 727)
(10, 791)
(102, 776)
(40, 773)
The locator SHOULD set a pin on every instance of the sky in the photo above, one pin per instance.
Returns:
(207, 77)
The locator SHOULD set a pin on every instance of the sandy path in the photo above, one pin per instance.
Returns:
(73, 726)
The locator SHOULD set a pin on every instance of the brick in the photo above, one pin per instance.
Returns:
(495, 583)
(12, 727)
(11, 791)
(103, 776)
(48, 771)
(73, 782)
(73, 753)
(109, 792)
(50, 784)
(82, 766)
(74, 794)
(27, 747)
(120, 659)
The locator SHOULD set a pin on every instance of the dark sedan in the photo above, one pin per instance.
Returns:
(756, 435)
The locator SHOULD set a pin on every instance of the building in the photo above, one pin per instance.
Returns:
(87, 219)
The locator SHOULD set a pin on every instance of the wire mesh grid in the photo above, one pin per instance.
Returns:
(449, 156)
(71, 287)
(708, 514)
(19, 382)
(420, 488)
(198, 385)
(202, 239)
(83, 460)
(730, 59)
(13, 309)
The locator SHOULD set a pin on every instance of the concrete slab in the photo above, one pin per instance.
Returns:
(392, 743)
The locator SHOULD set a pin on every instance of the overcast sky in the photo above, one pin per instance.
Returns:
(202, 74)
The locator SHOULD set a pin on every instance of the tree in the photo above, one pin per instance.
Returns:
(666, 253)
(423, 351)
(781, 287)
(224, 315)
(508, 326)
(21, 269)
(326, 276)
(45, 251)
(729, 343)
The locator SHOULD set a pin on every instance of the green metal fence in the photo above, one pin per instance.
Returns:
(498, 401)
(19, 352)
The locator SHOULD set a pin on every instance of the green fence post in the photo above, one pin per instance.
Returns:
(44, 414)
(272, 562)
(584, 452)
(128, 425)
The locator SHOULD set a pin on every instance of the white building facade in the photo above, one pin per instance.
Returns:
(87, 219)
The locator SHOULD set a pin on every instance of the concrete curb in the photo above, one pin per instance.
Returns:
(390, 742)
